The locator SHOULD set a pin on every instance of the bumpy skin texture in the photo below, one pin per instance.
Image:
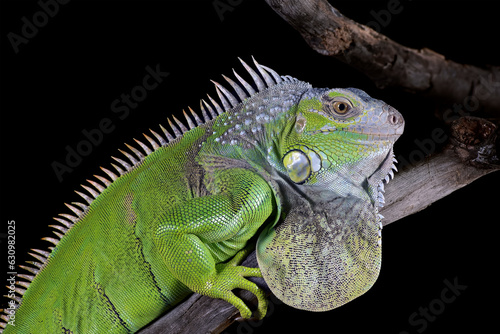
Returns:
(304, 164)
(326, 249)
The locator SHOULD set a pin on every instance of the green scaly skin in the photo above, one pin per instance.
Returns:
(304, 164)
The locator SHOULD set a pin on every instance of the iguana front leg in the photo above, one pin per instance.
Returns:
(233, 215)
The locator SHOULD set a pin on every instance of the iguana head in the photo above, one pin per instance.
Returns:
(341, 142)
(325, 250)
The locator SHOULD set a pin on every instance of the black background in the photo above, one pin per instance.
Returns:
(64, 79)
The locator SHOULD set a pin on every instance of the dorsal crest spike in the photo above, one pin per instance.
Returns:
(195, 116)
(153, 143)
(40, 258)
(13, 296)
(60, 228)
(210, 110)
(20, 290)
(216, 105)
(232, 100)
(177, 133)
(225, 103)
(267, 78)
(91, 191)
(240, 92)
(96, 185)
(23, 284)
(257, 80)
(29, 269)
(245, 84)
(179, 123)
(160, 138)
(41, 252)
(36, 264)
(82, 206)
(137, 153)
(124, 164)
(5, 318)
(288, 78)
(167, 134)
(69, 217)
(204, 112)
(118, 169)
(64, 222)
(103, 179)
(51, 240)
(144, 147)
(75, 210)
(111, 175)
(130, 157)
(188, 119)
(275, 75)
(59, 235)
(26, 277)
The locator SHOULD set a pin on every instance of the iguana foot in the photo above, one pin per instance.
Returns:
(231, 275)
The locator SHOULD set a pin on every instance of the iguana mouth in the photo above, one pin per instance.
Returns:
(371, 136)
(350, 130)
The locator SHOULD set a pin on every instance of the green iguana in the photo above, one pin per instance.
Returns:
(300, 169)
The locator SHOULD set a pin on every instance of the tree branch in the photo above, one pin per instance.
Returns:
(472, 153)
(386, 62)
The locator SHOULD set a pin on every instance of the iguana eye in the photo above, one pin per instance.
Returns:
(338, 106)
(341, 107)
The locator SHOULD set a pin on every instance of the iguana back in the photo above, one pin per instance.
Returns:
(103, 275)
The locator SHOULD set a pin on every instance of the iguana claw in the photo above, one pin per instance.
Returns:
(231, 275)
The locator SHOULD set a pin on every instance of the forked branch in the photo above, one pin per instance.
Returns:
(386, 62)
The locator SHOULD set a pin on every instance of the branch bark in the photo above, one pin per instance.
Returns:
(470, 154)
(387, 63)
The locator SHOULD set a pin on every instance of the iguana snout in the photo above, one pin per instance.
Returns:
(394, 118)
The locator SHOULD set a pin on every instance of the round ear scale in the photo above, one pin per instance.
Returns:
(297, 165)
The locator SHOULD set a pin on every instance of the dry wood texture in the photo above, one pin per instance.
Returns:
(386, 62)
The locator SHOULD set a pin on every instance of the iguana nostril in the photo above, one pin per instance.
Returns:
(394, 117)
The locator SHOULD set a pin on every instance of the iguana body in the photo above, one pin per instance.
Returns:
(304, 164)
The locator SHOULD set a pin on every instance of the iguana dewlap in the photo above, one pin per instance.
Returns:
(300, 168)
